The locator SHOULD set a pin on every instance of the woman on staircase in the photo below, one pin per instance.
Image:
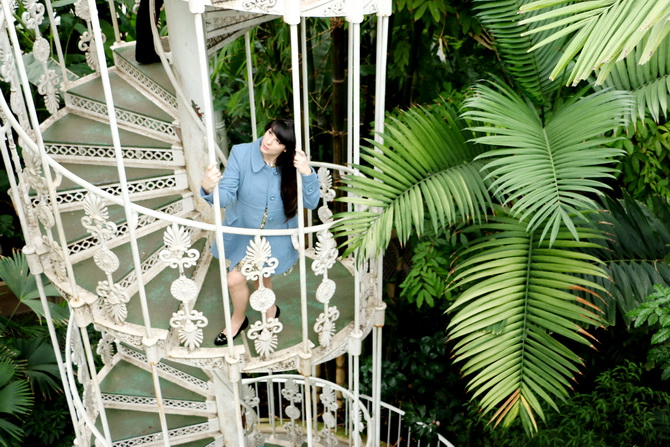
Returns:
(259, 190)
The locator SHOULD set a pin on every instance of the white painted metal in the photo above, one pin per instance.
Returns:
(35, 267)
(234, 425)
(250, 85)
(34, 122)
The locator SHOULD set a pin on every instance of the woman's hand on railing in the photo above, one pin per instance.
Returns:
(211, 178)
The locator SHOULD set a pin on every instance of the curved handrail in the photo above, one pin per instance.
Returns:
(159, 214)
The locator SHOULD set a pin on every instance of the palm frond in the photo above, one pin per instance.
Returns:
(422, 171)
(15, 272)
(636, 253)
(41, 367)
(15, 395)
(601, 32)
(649, 83)
(528, 70)
(517, 295)
(547, 171)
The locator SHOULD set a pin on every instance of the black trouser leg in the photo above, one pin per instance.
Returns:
(144, 49)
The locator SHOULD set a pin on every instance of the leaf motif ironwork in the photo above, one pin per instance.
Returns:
(325, 325)
(189, 327)
(114, 299)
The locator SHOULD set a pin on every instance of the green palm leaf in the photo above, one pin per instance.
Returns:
(528, 70)
(548, 170)
(602, 32)
(636, 253)
(649, 83)
(422, 171)
(517, 293)
(15, 272)
(15, 399)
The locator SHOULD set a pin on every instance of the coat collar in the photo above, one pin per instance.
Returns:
(257, 162)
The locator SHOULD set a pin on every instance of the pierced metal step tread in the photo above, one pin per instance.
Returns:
(103, 175)
(130, 380)
(128, 425)
(125, 96)
(155, 71)
(73, 129)
(74, 230)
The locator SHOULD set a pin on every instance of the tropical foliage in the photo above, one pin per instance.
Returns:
(655, 313)
(601, 33)
(534, 162)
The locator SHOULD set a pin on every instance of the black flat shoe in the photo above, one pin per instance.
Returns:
(222, 339)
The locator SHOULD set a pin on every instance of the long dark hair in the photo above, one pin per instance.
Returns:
(284, 131)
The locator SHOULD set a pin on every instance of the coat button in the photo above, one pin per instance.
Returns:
(271, 219)
(310, 189)
(275, 171)
(272, 197)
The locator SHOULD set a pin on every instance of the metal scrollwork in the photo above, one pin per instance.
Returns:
(325, 325)
(105, 348)
(329, 401)
(55, 258)
(179, 254)
(291, 393)
(46, 86)
(96, 222)
(189, 327)
(33, 15)
(326, 255)
(114, 300)
(7, 67)
(257, 264)
(327, 194)
(254, 437)
(263, 5)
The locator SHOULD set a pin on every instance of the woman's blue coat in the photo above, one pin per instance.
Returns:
(249, 186)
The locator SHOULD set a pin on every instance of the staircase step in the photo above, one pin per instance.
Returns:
(127, 386)
(187, 377)
(134, 111)
(74, 138)
(75, 231)
(143, 183)
(82, 244)
(134, 428)
(225, 25)
(151, 77)
(88, 274)
(159, 299)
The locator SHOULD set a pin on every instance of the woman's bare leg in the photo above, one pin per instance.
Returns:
(239, 295)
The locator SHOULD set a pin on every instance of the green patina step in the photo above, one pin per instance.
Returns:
(155, 72)
(125, 424)
(129, 380)
(87, 274)
(73, 129)
(159, 299)
(199, 443)
(125, 97)
(192, 370)
(74, 230)
(287, 290)
(102, 175)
